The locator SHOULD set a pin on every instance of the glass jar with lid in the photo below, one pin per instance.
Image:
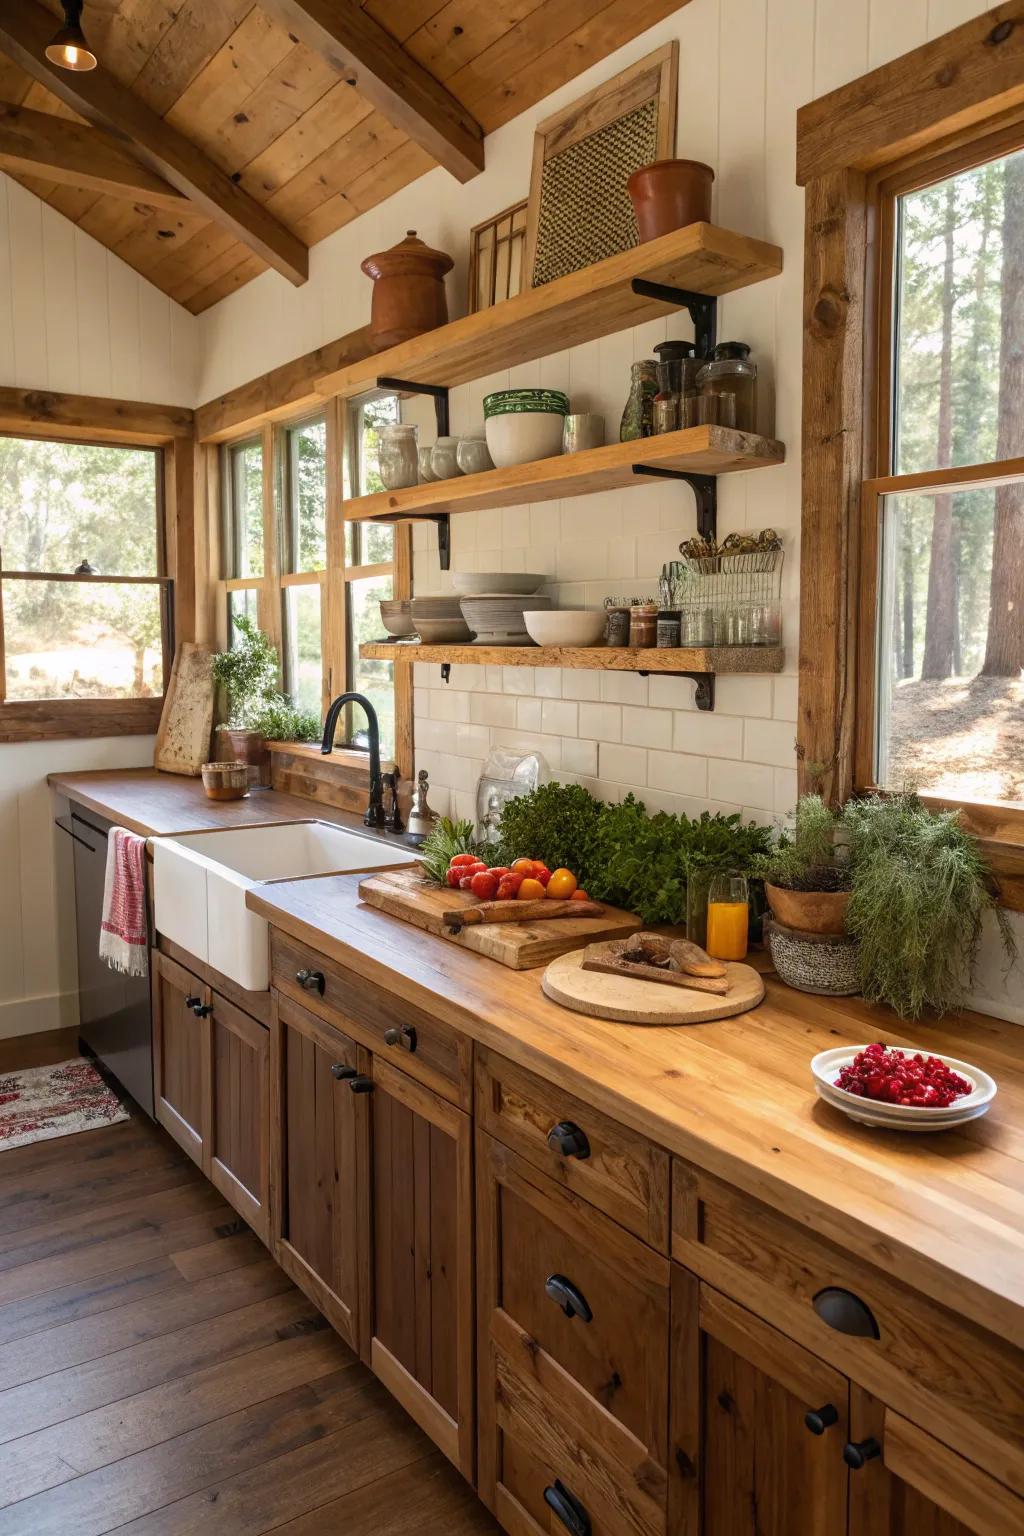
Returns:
(399, 464)
(728, 388)
(680, 367)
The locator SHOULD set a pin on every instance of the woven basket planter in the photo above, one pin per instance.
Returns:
(825, 963)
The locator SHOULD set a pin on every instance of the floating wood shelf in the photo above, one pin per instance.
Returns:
(711, 659)
(701, 258)
(694, 450)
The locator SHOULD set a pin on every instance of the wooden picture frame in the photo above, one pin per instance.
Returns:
(652, 83)
(497, 258)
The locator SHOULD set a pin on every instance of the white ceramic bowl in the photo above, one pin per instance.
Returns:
(825, 1068)
(514, 583)
(565, 626)
(396, 616)
(520, 437)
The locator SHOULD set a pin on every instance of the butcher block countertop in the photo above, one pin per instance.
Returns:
(943, 1212)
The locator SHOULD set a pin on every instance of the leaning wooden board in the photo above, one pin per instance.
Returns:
(630, 1000)
(406, 893)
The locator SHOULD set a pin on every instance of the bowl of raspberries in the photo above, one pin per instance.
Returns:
(901, 1088)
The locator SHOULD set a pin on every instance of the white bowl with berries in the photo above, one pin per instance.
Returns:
(901, 1088)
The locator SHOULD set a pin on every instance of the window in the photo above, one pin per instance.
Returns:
(305, 563)
(244, 534)
(84, 598)
(369, 573)
(943, 552)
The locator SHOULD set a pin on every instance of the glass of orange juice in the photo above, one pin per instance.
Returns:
(728, 917)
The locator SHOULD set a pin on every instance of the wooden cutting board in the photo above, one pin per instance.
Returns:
(631, 1001)
(408, 894)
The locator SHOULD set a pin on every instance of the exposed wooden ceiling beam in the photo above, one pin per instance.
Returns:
(25, 30)
(56, 149)
(388, 78)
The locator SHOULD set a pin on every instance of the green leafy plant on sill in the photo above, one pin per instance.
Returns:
(247, 674)
(814, 856)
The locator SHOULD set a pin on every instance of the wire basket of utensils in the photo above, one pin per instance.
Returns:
(729, 593)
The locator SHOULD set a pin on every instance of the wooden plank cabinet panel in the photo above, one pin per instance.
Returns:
(422, 1344)
(434, 1053)
(181, 1057)
(240, 1119)
(320, 1168)
(964, 1385)
(622, 1173)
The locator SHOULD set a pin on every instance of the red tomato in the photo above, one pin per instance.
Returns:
(501, 870)
(579, 896)
(466, 881)
(453, 877)
(541, 873)
(464, 858)
(484, 885)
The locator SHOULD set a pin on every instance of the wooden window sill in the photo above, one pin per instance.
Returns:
(999, 829)
(68, 719)
(356, 765)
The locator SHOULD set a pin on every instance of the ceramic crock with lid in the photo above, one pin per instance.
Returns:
(408, 291)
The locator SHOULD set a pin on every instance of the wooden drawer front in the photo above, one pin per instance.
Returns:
(426, 1048)
(181, 1056)
(963, 1384)
(624, 1175)
(929, 1481)
(239, 1136)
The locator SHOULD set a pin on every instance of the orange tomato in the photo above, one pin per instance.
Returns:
(562, 884)
(523, 866)
(530, 890)
(579, 895)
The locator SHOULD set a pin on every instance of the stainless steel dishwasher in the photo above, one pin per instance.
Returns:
(115, 1017)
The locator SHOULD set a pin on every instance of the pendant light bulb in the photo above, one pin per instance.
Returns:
(68, 48)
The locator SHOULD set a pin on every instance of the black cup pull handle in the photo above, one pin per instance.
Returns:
(360, 1084)
(846, 1313)
(404, 1037)
(341, 1072)
(857, 1453)
(193, 1002)
(820, 1419)
(203, 1010)
(310, 981)
(568, 1508)
(569, 1140)
(565, 1295)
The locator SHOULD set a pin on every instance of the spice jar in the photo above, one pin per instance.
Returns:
(668, 629)
(638, 416)
(666, 403)
(617, 633)
(643, 625)
(684, 366)
(728, 388)
(399, 461)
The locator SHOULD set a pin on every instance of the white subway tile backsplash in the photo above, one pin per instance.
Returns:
(711, 734)
(647, 727)
(786, 791)
(622, 765)
(770, 741)
(623, 688)
(548, 682)
(449, 704)
(744, 696)
(492, 709)
(579, 756)
(785, 698)
(581, 685)
(559, 717)
(746, 783)
(600, 722)
(517, 679)
(670, 693)
(528, 714)
(678, 772)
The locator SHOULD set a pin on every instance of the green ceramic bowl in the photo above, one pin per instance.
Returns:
(507, 402)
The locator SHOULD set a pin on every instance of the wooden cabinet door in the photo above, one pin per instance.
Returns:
(240, 1120)
(916, 1486)
(423, 1322)
(181, 1056)
(748, 1465)
(320, 1167)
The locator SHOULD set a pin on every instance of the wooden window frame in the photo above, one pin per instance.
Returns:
(941, 105)
(92, 420)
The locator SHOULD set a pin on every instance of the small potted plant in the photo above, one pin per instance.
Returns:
(257, 712)
(807, 876)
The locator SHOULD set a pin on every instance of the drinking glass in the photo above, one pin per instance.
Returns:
(728, 917)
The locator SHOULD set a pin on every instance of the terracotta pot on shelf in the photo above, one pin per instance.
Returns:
(668, 194)
(408, 291)
(808, 911)
(248, 747)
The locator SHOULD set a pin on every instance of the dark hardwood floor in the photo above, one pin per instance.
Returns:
(160, 1375)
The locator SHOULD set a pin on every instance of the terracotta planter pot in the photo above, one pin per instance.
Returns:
(408, 291)
(669, 194)
(809, 911)
(248, 747)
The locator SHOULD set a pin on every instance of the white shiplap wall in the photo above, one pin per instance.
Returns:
(73, 318)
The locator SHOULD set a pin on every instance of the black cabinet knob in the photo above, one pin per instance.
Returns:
(846, 1313)
(857, 1453)
(193, 1002)
(568, 1509)
(405, 1037)
(569, 1140)
(310, 981)
(340, 1071)
(820, 1419)
(360, 1084)
(203, 1010)
(565, 1295)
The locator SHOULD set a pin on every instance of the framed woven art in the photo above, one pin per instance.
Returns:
(579, 210)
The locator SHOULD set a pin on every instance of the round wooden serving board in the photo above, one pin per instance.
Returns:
(632, 1001)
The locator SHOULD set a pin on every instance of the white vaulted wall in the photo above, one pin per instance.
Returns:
(73, 318)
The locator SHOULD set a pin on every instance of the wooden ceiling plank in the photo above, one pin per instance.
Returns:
(26, 28)
(396, 170)
(155, 233)
(334, 115)
(114, 222)
(56, 149)
(127, 38)
(209, 272)
(402, 17)
(463, 29)
(244, 273)
(411, 98)
(199, 29)
(174, 271)
(275, 105)
(238, 67)
(72, 202)
(330, 172)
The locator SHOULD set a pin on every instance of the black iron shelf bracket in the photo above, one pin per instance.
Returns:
(704, 697)
(704, 488)
(703, 308)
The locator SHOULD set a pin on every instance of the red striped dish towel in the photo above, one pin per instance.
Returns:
(124, 940)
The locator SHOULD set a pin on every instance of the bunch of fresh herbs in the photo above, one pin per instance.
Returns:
(812, 857)
(248, 675)
(442, 844)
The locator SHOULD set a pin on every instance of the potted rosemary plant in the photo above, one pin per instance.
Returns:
(807, 875)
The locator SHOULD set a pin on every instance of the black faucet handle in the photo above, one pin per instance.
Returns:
(392, 816)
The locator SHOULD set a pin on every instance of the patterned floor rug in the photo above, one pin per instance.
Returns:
(43, 1102)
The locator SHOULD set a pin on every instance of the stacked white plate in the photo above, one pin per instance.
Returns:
(826, 1066)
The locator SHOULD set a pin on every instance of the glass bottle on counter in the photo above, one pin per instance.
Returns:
(728, 388)
(638, 416)
(683, 365)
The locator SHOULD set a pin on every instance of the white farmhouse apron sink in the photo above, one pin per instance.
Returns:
(200, 881)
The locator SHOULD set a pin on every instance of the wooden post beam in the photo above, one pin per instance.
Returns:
(25, 29)
(61, 150)
(362, 51)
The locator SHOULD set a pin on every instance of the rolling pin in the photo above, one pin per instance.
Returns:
(518, 912)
